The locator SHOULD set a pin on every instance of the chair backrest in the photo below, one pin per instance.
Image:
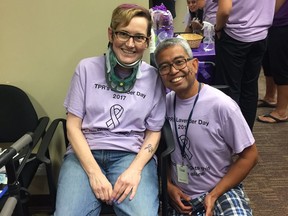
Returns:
(206, 72)
(17, 114)
(224, 88)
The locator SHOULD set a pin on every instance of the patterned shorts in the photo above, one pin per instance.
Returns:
(232, 203)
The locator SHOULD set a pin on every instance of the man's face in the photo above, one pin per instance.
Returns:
(177, 70)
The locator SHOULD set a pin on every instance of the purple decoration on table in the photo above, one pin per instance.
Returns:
(160, 7)
(162, 23)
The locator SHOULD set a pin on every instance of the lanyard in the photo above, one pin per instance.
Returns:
(182, 147)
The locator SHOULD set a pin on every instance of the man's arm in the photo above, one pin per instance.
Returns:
(279, 4)
(223, 13)
(238, 171)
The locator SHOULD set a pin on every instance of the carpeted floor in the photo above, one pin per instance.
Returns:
(267, 184)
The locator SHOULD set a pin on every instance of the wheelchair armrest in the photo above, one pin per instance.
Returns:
(9, 206)
(43, 148)
(15, 148)
(167, 140)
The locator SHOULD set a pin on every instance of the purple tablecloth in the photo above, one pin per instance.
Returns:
(204, 55)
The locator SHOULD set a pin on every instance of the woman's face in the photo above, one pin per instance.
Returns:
(131, 50)
(192, 5)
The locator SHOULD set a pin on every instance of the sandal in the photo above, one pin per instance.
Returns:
(276, 120)
(264, 103)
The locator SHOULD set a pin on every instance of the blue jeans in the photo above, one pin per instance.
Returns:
(75, 196)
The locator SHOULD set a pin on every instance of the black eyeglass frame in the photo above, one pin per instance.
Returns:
(174, 64)
(128, 35)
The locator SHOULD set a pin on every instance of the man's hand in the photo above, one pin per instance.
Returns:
(209, 203)
(177, 197)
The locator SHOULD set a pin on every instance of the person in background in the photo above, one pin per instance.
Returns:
(112, 144)
(278, 56)
(194, 16)
(240, 45)
(270, 97)
(214, 146)
(209, 11)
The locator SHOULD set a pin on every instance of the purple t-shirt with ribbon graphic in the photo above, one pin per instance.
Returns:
(111, 120)
(217, 131)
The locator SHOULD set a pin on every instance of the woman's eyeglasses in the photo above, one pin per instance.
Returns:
(125, 36)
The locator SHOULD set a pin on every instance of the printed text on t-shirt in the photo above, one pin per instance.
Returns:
(119, 96)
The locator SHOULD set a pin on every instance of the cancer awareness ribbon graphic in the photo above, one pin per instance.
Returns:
(115, 113)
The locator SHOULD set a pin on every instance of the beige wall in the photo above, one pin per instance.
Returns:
(181, 10)
(41, 42)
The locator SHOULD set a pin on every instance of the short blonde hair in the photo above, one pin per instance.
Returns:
(123, 14)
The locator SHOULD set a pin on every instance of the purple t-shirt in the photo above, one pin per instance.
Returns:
(216, 132)
(112, 120)
(210, 11)
(249, 20)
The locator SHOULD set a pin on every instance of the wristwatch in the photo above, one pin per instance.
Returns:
(219, 30)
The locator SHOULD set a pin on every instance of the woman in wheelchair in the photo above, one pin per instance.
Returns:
(115, 111)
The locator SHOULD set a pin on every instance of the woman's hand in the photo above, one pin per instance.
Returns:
(127, 183)
(196, 26)
(101, 187)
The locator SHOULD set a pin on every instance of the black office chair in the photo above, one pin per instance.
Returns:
(18, 117)
(166, 146)
(206, 72)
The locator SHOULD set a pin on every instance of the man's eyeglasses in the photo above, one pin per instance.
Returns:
(178, 64)
(124, 37)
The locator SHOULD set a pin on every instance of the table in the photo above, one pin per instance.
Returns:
(206, 68)
(204, 55)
